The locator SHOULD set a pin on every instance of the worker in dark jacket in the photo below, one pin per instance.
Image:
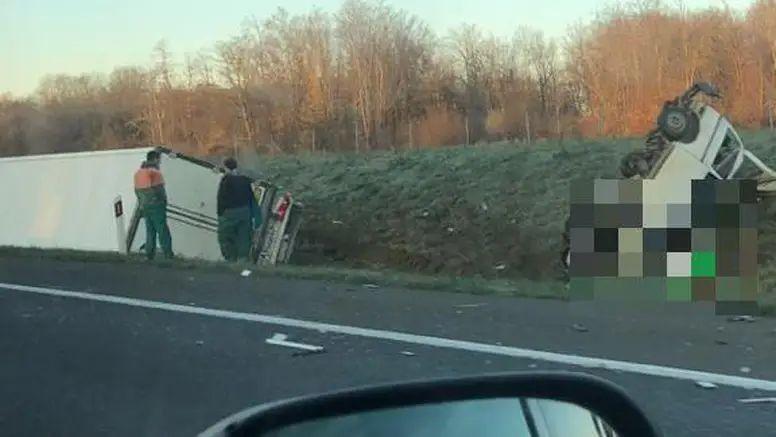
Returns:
(237, 213)
(152, 203)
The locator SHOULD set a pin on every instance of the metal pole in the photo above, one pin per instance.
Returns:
(527, 128)
(409, 128)
(466, 126)
(355, 132)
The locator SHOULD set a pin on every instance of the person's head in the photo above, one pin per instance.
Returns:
(230, 164)
(154, 158)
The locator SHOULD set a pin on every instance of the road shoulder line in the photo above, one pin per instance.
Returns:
(424, 340)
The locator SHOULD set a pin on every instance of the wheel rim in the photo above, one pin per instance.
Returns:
(676, 121)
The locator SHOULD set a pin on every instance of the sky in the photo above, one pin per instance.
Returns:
(39, 37)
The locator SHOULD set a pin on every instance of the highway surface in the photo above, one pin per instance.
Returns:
(126, 349)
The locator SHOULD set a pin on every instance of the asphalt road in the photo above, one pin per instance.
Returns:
(77, 366)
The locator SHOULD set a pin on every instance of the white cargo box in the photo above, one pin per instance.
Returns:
(86, 201)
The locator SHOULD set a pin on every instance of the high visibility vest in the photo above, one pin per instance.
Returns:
(148, 177)
(149, 187)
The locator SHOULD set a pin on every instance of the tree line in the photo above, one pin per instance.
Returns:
(371, 76)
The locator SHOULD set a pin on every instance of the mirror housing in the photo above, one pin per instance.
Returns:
(604, 399)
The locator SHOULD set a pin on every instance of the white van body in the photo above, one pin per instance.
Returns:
(718, 152)
(86, 201)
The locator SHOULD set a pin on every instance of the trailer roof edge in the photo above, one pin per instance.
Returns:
(69, 155)
(133, 150)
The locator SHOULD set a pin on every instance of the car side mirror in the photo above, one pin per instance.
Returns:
(546, 404)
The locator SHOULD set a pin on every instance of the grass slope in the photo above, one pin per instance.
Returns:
(491, 211)
(483, 219)
(494, 211)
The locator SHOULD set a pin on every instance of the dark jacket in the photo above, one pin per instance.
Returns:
(234, 191)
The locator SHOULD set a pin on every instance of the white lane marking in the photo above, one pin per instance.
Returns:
(470, 346)
(758, 401)
(280, 340)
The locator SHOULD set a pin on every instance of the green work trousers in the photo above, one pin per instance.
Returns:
(234, 233)
(155, 218)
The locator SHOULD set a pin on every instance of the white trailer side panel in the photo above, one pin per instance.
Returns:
(191, 213)
(66, 200)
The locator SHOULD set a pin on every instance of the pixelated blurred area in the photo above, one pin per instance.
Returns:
(645, 241)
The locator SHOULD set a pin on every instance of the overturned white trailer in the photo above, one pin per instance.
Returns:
(86, 201)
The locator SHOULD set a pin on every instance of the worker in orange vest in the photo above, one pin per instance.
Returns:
(152, 203)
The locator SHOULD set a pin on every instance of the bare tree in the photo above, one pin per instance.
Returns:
(238, 70)
(373, 76)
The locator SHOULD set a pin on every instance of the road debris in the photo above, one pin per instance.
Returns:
(245, 273)
(704, 384)
(408, 353)
(749, 319)
(745, 369)
(579, 328)
(758, 400)
(470, 305)
(280, 340)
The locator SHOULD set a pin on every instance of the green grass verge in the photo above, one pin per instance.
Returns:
(496, 211)
(548, 289)
(480, 219)
(345, 275)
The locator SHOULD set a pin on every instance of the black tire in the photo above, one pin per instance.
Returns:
(679, 124)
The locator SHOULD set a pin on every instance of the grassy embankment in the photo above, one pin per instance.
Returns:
(481, 219)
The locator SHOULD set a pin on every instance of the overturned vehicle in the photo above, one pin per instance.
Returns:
(191, 212)
(691, 141)
(59, 204)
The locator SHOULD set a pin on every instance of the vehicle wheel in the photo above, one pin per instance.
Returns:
(679, 124)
